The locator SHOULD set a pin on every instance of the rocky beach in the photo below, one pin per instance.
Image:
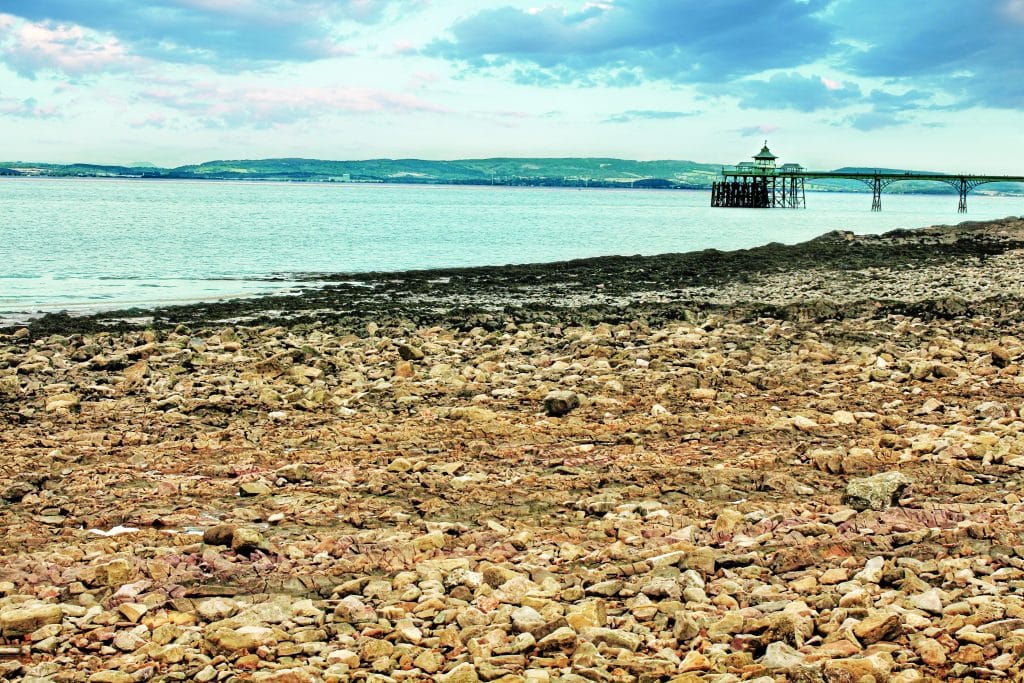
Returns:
(791, 463)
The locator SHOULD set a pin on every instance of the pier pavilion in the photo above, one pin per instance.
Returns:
(760, 184)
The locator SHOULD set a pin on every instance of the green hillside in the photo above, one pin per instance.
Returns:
(571, 172)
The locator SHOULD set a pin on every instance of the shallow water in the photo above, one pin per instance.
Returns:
(91, 244)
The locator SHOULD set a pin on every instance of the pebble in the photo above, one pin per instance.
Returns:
(560, 403)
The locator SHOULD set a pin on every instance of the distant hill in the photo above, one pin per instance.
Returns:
(584, 172)
(568, 171)
(560, 172)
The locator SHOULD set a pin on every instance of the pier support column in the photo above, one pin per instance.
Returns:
(876, 194)
(962, 207)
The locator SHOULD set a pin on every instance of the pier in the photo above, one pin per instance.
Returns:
(761, 184)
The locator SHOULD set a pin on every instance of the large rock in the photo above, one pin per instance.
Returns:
(780, 656)
(20, 621)
(462, 673)
(15, 492)
(857, 669)
(229, 640)
(219, 534)
(408, 352)
(216, 609)
(877, 492)
(559, 403)
(246, 540)
(878, 626)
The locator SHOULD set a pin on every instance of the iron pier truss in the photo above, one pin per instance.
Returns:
(762, 185)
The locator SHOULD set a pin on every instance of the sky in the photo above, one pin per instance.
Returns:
(934, 85)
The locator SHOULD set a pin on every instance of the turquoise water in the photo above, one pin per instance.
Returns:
(83, 245)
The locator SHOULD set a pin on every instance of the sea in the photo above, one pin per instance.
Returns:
(87, 245)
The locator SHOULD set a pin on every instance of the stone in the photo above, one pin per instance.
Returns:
(112, 573)
(694, 661)
(19, 621)
(404, 369)
(844, 418)
(929, 601)
(410, 353)
(354, 611)
(872, 572)
(1001, 357)
(1002, 627)
(560, 402)
(429, 661)
(17, 491)
(219, 534)
(857, 669)
(613, 637)
(779, 656)
(878, 626)
(429, 541)
(66, 401)
(216, 609)
(526, 619)
(408, 632)
(877, 492)
(132, 611)
(805, 424)
(287, 675)
(589, 614)
(460, 673)
(246, 638)
(254, 488)
(400, 465)
(110, 676)
(560, 639)
(294, 473)
(246, 540)
(931, 651)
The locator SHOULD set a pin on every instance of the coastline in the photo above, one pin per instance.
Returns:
(792, 462)
(839, 270)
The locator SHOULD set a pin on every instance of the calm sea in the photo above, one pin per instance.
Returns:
(83, 245)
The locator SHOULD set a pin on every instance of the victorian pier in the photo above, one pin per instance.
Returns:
(760, 184)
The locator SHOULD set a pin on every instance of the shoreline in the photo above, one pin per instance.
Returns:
(590, 288)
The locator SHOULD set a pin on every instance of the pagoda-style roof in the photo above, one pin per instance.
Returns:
(765, 153)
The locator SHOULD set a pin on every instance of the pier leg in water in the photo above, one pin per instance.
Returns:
(962, 207)
(876, 194)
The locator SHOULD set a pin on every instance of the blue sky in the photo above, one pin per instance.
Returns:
(931, 85)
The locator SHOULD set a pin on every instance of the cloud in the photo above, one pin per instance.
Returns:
(403, 47)
(151, 121)
(647, 115)
(257, 106)
(886, 102)
(422, 79)
(628, 41)
(27, 109)
(946, 52)
(28, 48)
(235, 34)
(873, 120)
(788, 91)
(970, 52)
(759, 130)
